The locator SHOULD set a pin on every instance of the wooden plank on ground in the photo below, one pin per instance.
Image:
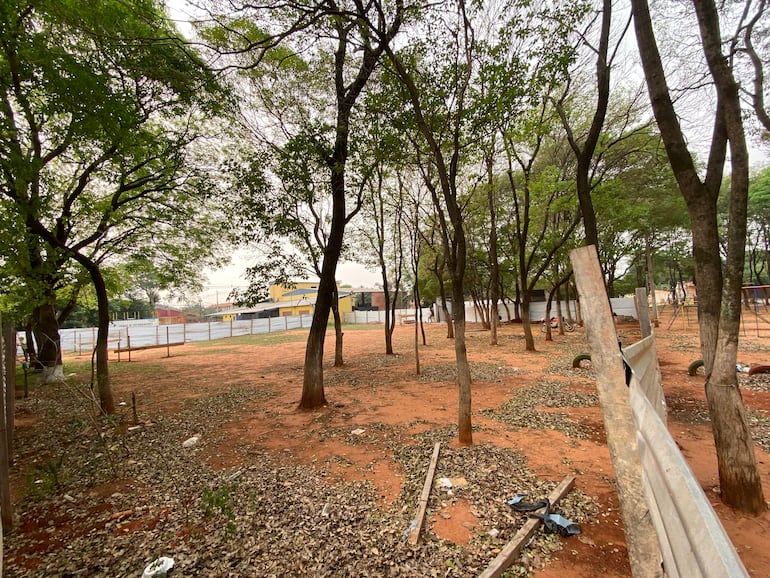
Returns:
(510, 552)
(414, 536)
(643, 549)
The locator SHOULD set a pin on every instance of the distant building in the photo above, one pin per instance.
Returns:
(168, 315)
(366, 299)
(288, 300)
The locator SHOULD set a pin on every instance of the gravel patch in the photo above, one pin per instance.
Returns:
(116, 497)
(687, 410)
(523, 410)
(480, 372)
(758, 382)
(759, 421)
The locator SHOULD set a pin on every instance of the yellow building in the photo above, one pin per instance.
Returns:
(293, 300)
(299, 297)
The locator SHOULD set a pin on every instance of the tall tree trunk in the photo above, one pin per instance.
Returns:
(739, 478)
(45, 328)
(651, 279)
(526, 323)
(494, 267)
(718, 296)
(417, 325)
(439, 272)
(313, 396)
(548, 303)
(106, 400)
(390, 313)
(464, 426)
(348, 84)
(584, 153)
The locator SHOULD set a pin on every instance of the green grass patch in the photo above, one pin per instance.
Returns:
(260, 339)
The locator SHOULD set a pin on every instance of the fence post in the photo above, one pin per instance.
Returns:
(8, 374)
(643, 548)
(643, 312)
(10, 394)
(168, 347)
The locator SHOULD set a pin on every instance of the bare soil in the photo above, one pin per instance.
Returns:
(96, 498)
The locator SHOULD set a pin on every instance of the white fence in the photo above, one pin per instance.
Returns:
(622, 306)
(402, 315)
(82, 341)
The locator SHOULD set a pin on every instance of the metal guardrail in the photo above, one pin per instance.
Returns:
(693, 541)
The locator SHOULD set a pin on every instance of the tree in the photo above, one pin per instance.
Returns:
(635, 198)
(542, 214)
(759, 225)
(442, 71)
(584, 151)
(99, 110)
(719, 284)
(384, 206)
(754, 49)
(352, 37)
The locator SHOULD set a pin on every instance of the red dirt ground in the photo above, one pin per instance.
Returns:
(277, 426)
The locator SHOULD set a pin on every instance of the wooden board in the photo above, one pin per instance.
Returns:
(643, 549)
(508, 555)
(414, 536)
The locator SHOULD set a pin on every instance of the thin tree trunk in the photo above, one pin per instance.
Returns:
(338, 334)
(417, 325)
(548, 303)
(651, 279)
(442, 293)
(106, 400)
(494, 267)
(526, 322)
